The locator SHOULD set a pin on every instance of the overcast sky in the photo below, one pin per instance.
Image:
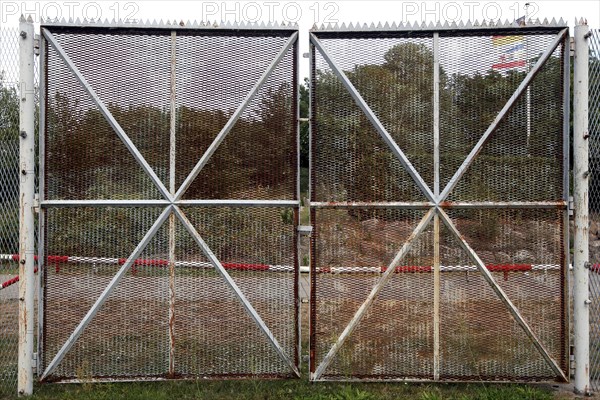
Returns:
(305, 13)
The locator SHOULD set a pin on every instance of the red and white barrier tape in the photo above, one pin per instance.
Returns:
(56, 260)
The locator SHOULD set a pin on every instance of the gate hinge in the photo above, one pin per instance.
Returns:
(36, 44)
(304, 229)
(571, 46)
(36, 203)
(34, 362)
(571, 206)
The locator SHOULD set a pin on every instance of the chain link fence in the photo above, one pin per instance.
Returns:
(9, 206)
(594, 201)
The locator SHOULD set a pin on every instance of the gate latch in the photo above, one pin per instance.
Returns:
(36, 45)
(304, 230)
(36, 203)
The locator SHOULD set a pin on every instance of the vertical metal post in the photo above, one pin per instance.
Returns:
(566, 273)
(436, 193)
(42, 212)
(312, 276)
(26, 206)
(580, 175)
(172, 189)
(297, 216)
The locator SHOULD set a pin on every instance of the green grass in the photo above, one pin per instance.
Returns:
(289, 389)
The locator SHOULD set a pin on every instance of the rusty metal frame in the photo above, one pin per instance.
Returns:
(437, 201)
(172, 200)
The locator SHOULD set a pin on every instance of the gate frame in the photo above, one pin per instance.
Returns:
(436, 201)
(172, 198)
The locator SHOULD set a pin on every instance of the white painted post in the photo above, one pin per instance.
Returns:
(581, 300)
(26, 205)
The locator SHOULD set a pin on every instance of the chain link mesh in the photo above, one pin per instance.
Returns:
(594, 206)
(9, 206)
(170, 317)
(353, 244)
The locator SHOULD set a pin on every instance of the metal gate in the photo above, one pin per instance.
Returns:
(439, 195)
(169, 201)
(594, 208)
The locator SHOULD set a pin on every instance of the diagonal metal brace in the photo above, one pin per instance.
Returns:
(234, 118)
(362, 104)
(107, 291)
(107, 115)
(236, 290)
(373, 295)
(514, 311)
(503, 113)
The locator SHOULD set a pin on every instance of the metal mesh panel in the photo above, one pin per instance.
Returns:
(173, 314)
(257, 159)
(525, 252)
(101, 239)
(503, 214)
(9, 207)
(350, 249)
(135, 96)
(594, 208)
(217, 336)
(526, 148)
(85, 158)
(351, 163)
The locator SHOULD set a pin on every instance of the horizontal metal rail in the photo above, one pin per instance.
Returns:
(238, 203)
(446, 204)
(104, 203)
(164, 203)
(424, 205)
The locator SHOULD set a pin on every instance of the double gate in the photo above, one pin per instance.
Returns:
(438, 187)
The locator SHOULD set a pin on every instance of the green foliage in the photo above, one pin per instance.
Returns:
(9, 111)
(9, 167)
